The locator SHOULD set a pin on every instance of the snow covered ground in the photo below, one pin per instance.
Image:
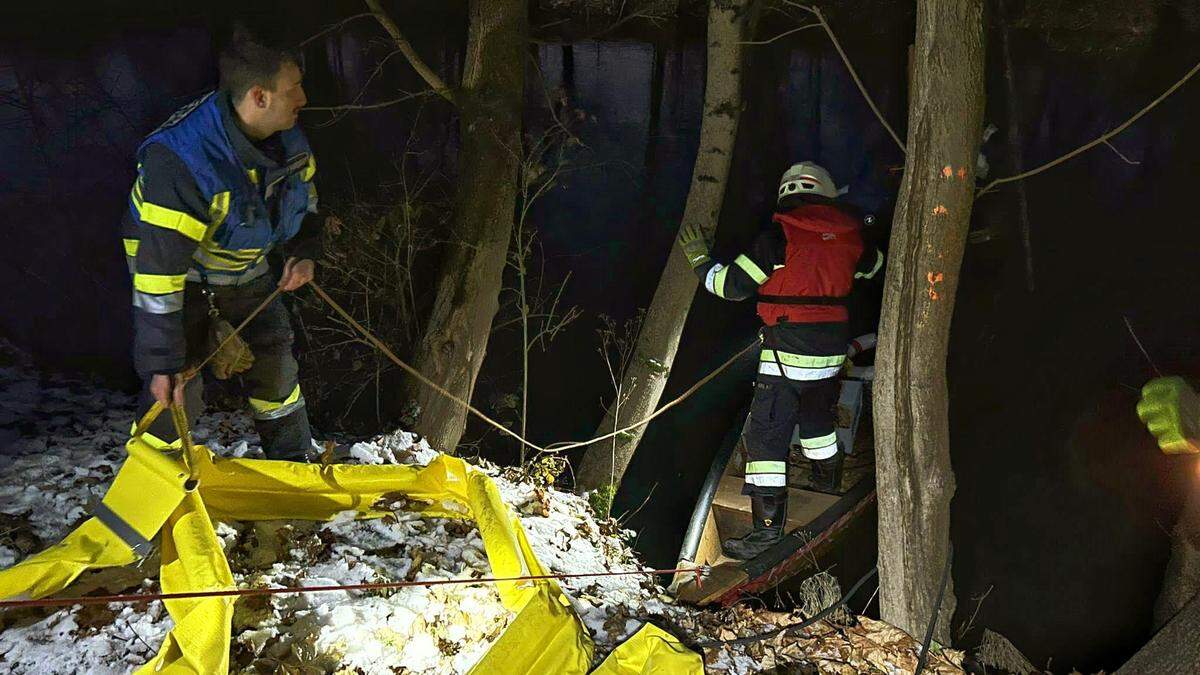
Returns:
(62, 440)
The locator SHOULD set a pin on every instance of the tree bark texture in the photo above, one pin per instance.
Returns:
(489, 105)
(643, 381)
(1181, 582)
(912, 436)
(1174, 650)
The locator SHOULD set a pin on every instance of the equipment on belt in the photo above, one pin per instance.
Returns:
(230, 353)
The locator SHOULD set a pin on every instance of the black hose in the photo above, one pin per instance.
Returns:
(937, 607)
(796, 626)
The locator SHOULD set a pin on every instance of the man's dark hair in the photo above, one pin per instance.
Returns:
(253, 57)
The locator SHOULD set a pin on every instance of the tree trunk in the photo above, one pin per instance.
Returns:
(489, 105)
(643, 381)
(1181, 581)
(912, 436)
(1174, 650)
(1015, 146)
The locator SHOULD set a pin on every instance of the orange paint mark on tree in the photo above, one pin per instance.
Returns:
(934, 278)
(940, 210)
(962, 173)
(947, 171)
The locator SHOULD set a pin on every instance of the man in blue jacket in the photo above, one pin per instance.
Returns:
(224, 186)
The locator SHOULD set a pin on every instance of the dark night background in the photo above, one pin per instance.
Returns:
(1063, 505)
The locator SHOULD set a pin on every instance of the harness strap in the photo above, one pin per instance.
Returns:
(828, 300)
(140, 545)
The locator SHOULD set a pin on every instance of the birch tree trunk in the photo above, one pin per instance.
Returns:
(489, 104)
(644, 379)
(912, 436)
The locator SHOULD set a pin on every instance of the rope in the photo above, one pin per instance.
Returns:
(241, 592)
(553, 447)
(937, 608)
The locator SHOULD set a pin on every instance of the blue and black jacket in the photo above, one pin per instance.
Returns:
(209, 206)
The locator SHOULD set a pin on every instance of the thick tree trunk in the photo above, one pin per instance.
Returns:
(1181, 582)
(912, 436)
(1174, 650)
(489, 104)
(643, 381)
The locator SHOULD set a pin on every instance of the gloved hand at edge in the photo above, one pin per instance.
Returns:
(1171, 411)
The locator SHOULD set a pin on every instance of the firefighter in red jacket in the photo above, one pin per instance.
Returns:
(801, 271)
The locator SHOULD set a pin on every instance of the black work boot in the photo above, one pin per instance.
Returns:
(770, 514)
(826, 474)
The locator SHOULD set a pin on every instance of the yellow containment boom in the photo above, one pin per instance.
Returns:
(171, 490)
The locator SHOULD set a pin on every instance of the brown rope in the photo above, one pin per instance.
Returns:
(698, 572)
(553, 447)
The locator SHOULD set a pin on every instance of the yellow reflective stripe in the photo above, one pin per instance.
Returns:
(820, 441)
(131, 246)
(878, 264)
(218, 209)
(170, 219)
(241, 254)
(310, 169)
(751, 269)
(253, 174)
(260, 406)
(766, 467)
(800, 360)
(159, 283)
(213, 261)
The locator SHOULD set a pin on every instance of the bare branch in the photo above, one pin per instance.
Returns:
(334, 27)
(1091, 144)
(853, 73)
(780, 36)
(418, 65)
(367, 106)
(1120, 154)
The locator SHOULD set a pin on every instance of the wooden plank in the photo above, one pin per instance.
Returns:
(1174, 650)
(803, 505)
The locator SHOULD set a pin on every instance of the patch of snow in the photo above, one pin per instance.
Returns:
(64, 440)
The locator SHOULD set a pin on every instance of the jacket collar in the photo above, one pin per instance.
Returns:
(249, 155)
(818, 218)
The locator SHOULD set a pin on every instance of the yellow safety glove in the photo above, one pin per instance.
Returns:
(1171, 411)
(694, 244)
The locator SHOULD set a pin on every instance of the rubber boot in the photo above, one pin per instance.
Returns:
(770, 514)
(827, 474)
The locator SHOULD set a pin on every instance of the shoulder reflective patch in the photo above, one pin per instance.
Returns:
(183, 112)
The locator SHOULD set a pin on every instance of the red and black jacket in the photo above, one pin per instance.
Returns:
(801, 273)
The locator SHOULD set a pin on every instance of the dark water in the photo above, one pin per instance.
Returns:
(1062, 504)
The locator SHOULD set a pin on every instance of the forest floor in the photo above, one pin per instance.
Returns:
(62, 440)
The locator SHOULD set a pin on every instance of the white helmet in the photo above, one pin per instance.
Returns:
(807, 178)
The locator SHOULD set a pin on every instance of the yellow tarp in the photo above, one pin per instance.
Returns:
(148, 493)
(651, 650)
